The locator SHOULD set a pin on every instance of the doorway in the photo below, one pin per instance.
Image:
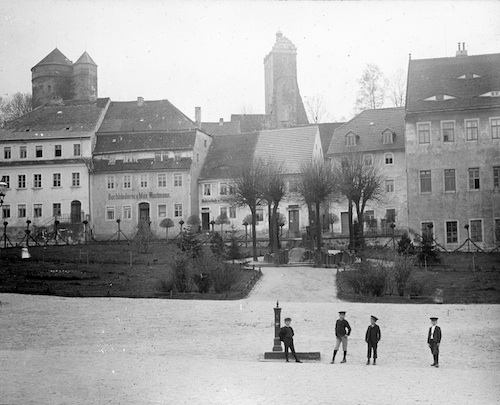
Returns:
(344, 222)
(293, 222)
(144, 212)
(76, 211)
(205, 221)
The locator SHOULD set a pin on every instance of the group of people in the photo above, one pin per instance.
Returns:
(372, 337)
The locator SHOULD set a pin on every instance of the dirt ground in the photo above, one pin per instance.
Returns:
(58, 350)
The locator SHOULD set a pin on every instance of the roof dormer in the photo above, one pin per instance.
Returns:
(439, 97)
(493, 93)
(469, 76)
(388, 136)
(351, 139)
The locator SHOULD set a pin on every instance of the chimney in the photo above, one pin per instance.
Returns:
(197, 116)
(279, 34)
(461, 52)
(221, 121)
(140, 101)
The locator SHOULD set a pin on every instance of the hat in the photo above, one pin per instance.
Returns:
(433, 318)
(374, 318)
(342, 312)
(288, 319)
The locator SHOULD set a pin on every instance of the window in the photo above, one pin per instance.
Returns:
(223, 189)
(471, 129)
(495, 128)
(39, 151)
(496, 176)
(389, 158)
(37, 181)
(424, 132)
(389, 186)
(350, 140)
(448, 129)
(177, 179)
(177, 210)
(56, 179)
(7, 154)
(387, 137)
(110, 182)
(6, 179)
(126, 212)
(451, 232)
(57, 150)
(21, 210)
(21, 181)
(23, 152)
(449, 180)
(56, 209)
(259, 214)
(77, 149)
(162, 180)
(476, 230)
(207, 190)
(390, 215)
(368, 160)
(110, 213)
(144, 180)
(6, 211)
(127, 181)
(162, 210)
(232, 212)
(37, 210)
(75, 179)
(474, 178)
(425, 181)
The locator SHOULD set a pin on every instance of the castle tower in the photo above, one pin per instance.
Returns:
(284, 105)
(52, 78)
(85, 78)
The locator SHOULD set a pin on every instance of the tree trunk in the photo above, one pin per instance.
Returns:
(351, 230)
(275, 227)
(361, 234)
(271, 228)
(254, 234)
(318, 232)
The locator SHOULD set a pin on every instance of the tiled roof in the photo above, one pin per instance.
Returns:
(292, 146)
(140, 141)
(102, 165)
(227, 153)
(441, 77)
(55, 57)
(85, 58)
(250, 122)
(66, 120)
(160, 115)
(224, 128)
(326, 132)
(368, 127)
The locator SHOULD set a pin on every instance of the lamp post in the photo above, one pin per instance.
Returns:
(212, 222)
(468, 239)
(85, 223)
(245, 224)
(118, 222)
(181, 222)
(393, 225)
(277, 324)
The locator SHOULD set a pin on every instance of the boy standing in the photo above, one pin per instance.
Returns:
(372, 338)
(433, 340)
(286, 336)
(342, 331)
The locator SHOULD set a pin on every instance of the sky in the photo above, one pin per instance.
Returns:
(210, 53)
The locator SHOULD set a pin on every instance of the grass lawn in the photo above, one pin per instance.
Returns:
(95, 270)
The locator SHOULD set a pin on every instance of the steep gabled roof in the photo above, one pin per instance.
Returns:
(59, 120)
(453, 83)
(159, 115)
(326, 133)
(224, 128)
(369, 126)
(292, 146)
(55, 57)
(141, 141)
(85, 58)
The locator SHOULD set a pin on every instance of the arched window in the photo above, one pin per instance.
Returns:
(389, 159)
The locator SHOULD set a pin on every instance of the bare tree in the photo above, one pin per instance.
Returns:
(316, 109)
(397, 88)
(372, 88)
(317, 185)
(17, 105)
(273, 191)
(359, 183)
(247, 180)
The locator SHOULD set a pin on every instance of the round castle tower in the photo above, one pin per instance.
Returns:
(85, 78)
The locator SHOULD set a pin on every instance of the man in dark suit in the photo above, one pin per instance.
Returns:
(286, 336)
(433, 340)
(372, 338)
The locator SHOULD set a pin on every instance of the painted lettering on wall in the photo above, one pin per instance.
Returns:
(126, 196)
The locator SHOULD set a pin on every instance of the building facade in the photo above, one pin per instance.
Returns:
(453, 149)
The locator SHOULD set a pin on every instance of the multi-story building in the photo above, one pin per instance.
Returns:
(293, 147)
(378, 137)
(453, 148)
(146, 164)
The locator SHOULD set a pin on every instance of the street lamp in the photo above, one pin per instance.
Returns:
(181, 222)
(468, 239)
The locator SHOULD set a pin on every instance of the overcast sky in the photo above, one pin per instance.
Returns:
(210, 53)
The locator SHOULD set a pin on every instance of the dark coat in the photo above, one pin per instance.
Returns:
(373, 334)
(342, 328)
(437, 335)
(286, 332)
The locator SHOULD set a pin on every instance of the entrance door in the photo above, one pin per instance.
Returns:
(205, 221)
(76, 211)
(144, 212)
(344, 222)
(293, 222)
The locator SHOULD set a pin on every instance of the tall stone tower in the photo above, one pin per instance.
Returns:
(56, 78)
(284, 105)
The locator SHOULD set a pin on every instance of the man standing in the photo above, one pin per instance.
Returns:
(286, 336)
(342, 331)
(433, 340)
(372, 338)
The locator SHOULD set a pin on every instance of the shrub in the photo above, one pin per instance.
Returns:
(224, 275)
(217, 245)
(190, 245)
(416, 287)
(405, 245)
(403, 268)
(428, 252)
(234, 252)
(202, 267)
(203, 281)
(367, 279)
(182, 273)
(166, 285)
